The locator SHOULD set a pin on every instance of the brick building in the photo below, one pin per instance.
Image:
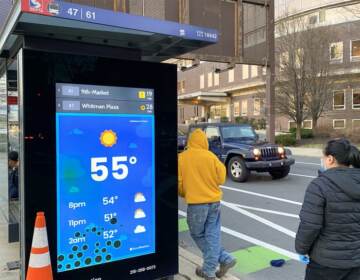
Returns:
(207, 91)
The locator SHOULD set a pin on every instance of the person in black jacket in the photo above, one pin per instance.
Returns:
(13, 175)
(329, 231)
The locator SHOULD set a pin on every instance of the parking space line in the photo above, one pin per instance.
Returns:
(262, 195)
(255, 241)
(259, 219)
(268, 211)
(301, 175)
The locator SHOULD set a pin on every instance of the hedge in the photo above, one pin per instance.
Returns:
(286, 140)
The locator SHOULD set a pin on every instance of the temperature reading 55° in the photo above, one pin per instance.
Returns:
(120, 170)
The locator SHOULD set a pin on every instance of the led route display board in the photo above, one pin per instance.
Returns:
(105, 150)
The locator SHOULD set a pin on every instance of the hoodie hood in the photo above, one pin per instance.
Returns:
(198, 140)
(347, 179)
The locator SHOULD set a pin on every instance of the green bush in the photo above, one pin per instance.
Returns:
(286, 140)
(224, 119)
(241, 120)
(305, 133)
(262, 124)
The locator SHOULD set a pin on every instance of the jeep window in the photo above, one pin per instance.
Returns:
(232, 133)
(212, 132)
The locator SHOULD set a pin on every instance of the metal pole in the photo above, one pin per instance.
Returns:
(270, 72)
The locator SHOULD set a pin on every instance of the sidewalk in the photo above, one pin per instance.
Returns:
(188, 263)
(307, 152)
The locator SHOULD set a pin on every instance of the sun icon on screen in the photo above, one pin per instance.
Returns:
(108, 138)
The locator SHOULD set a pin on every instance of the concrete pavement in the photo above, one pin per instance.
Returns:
(188, 263)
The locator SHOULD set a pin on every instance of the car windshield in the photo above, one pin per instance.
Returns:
(238, 133)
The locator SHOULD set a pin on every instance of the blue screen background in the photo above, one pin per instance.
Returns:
(78, 140)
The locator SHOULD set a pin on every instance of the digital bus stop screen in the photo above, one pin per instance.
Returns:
(105, 174)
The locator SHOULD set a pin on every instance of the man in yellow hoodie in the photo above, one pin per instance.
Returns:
(200, 175)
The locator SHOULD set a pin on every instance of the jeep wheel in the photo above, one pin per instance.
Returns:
(237, 170)
(279, 174)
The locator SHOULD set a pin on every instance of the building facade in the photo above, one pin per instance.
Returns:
(209, 92)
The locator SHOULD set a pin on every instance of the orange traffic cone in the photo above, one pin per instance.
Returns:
(39, 263)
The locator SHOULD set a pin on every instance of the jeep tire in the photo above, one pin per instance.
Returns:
(281, 173)
(237, 169)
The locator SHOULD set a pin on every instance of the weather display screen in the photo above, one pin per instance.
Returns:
(105, 174)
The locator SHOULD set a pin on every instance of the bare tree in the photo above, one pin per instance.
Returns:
(291, 88)
(319, 81)
(304, 82)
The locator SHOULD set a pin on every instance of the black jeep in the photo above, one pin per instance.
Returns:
(239, 148)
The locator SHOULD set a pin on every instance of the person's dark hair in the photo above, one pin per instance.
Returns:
(13, 155)
(344, 152)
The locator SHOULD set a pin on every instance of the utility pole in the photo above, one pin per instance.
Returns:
(270, 71)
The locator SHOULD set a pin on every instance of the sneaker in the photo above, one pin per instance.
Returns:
(224, 268)
(200, 273)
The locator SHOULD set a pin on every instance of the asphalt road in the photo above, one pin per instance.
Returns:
(260, 220)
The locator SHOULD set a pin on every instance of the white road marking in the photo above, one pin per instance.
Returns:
(263, 195)
(301, 175)
(255, 241)
(268, 211)
(307, 163)
(260, 219)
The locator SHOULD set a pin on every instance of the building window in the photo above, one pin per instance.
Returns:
(202, 81)
(356, 124)
(196, 111)
(231, 75)
(257, 106)
(339, 100)
(313, 19)
(181, 86)
(254, 71)
(355, 50)
(245, 72)
(292, 124)
(244, 107)
(337, 52)
(284, 60)
(210, 79)
(308, 124)
(339, 124)
(216, 79)
(264, 70)
(322, 16)
(236, 109)
(356, 99)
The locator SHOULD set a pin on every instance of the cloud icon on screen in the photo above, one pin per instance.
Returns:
(139, 197)
(139, 229)
(139, 214)
(133, 146)
(76, 131)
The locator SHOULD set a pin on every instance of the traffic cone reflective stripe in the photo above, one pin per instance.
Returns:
(39, 263)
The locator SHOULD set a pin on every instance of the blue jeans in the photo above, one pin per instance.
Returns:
(205, 228)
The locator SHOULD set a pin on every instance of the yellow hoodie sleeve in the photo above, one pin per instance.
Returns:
(220, 171)
(181, 191)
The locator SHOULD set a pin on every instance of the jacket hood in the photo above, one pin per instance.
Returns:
(198, 140)
(347, 179)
